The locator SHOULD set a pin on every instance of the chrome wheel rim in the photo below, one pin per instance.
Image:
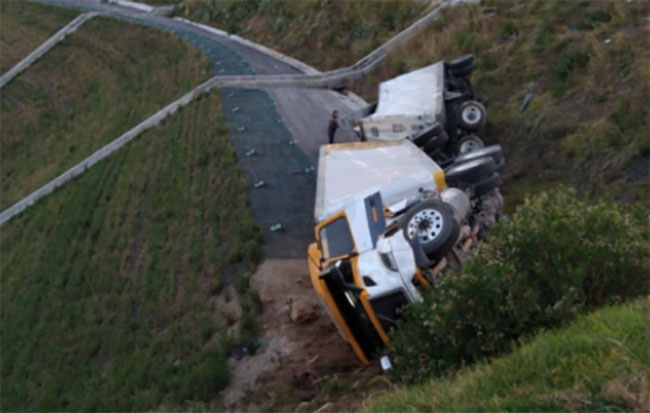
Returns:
(471, 115)
(469, 146)
(426, 225)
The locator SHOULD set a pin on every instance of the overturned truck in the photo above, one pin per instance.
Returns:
(389, 220)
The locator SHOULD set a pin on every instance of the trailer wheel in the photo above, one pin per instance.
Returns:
(460, 62)
(469, 143)
(464, 71)
(493, 151)
(460, 175)
(433, 224)
(471, 115)
(488, 185)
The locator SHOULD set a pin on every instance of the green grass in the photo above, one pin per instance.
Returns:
(599, 363)
(109, 285)
(24, 26)
(586, 64)
(326, 35)
(88, 90)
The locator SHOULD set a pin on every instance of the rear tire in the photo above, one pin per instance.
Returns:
(488, 185)
(460, 62)
(469, 172)
(493, 151)
(465, 71)
(470, 143)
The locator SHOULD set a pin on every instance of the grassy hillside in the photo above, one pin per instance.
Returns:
(25, 26)
(599, 363)
(324, 34)
(109, 285)
(89, 89)
(587, 64)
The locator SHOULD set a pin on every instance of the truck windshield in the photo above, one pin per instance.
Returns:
(336, 239)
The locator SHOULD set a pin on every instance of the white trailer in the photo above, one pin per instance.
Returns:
(435, 107)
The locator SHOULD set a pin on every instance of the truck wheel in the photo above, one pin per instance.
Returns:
(432, 223)
(460, 62)
(487, 185)
(469, 172)
(464, 71)
(471, 115)
(469, 143)
(493, 151)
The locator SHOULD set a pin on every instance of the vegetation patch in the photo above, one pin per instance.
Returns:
(88, 90)
(598, 363)
(111, 286)
(25, 25)
(325, 34)
(558, 257)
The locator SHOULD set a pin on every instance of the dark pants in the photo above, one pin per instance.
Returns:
(330, 134)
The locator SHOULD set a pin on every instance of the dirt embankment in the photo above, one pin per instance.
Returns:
(303, 361)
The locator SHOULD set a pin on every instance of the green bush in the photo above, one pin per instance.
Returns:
(557, 257)
(207, 378)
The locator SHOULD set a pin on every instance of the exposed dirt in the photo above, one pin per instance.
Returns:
(301, 349)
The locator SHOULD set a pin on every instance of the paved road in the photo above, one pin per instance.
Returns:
(263, 120)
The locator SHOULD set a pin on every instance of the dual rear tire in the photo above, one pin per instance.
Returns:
(478, 171)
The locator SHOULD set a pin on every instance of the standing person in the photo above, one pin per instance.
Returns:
(333, 125)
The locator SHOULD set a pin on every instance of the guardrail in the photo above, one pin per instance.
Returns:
(312, 78)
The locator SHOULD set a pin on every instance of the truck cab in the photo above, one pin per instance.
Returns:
(363, 264)
(389, 220)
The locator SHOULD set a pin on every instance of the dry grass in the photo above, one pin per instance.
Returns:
(84, 93)
(24, 26)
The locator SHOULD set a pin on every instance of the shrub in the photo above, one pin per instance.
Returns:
(558, 256)
(207, 378)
